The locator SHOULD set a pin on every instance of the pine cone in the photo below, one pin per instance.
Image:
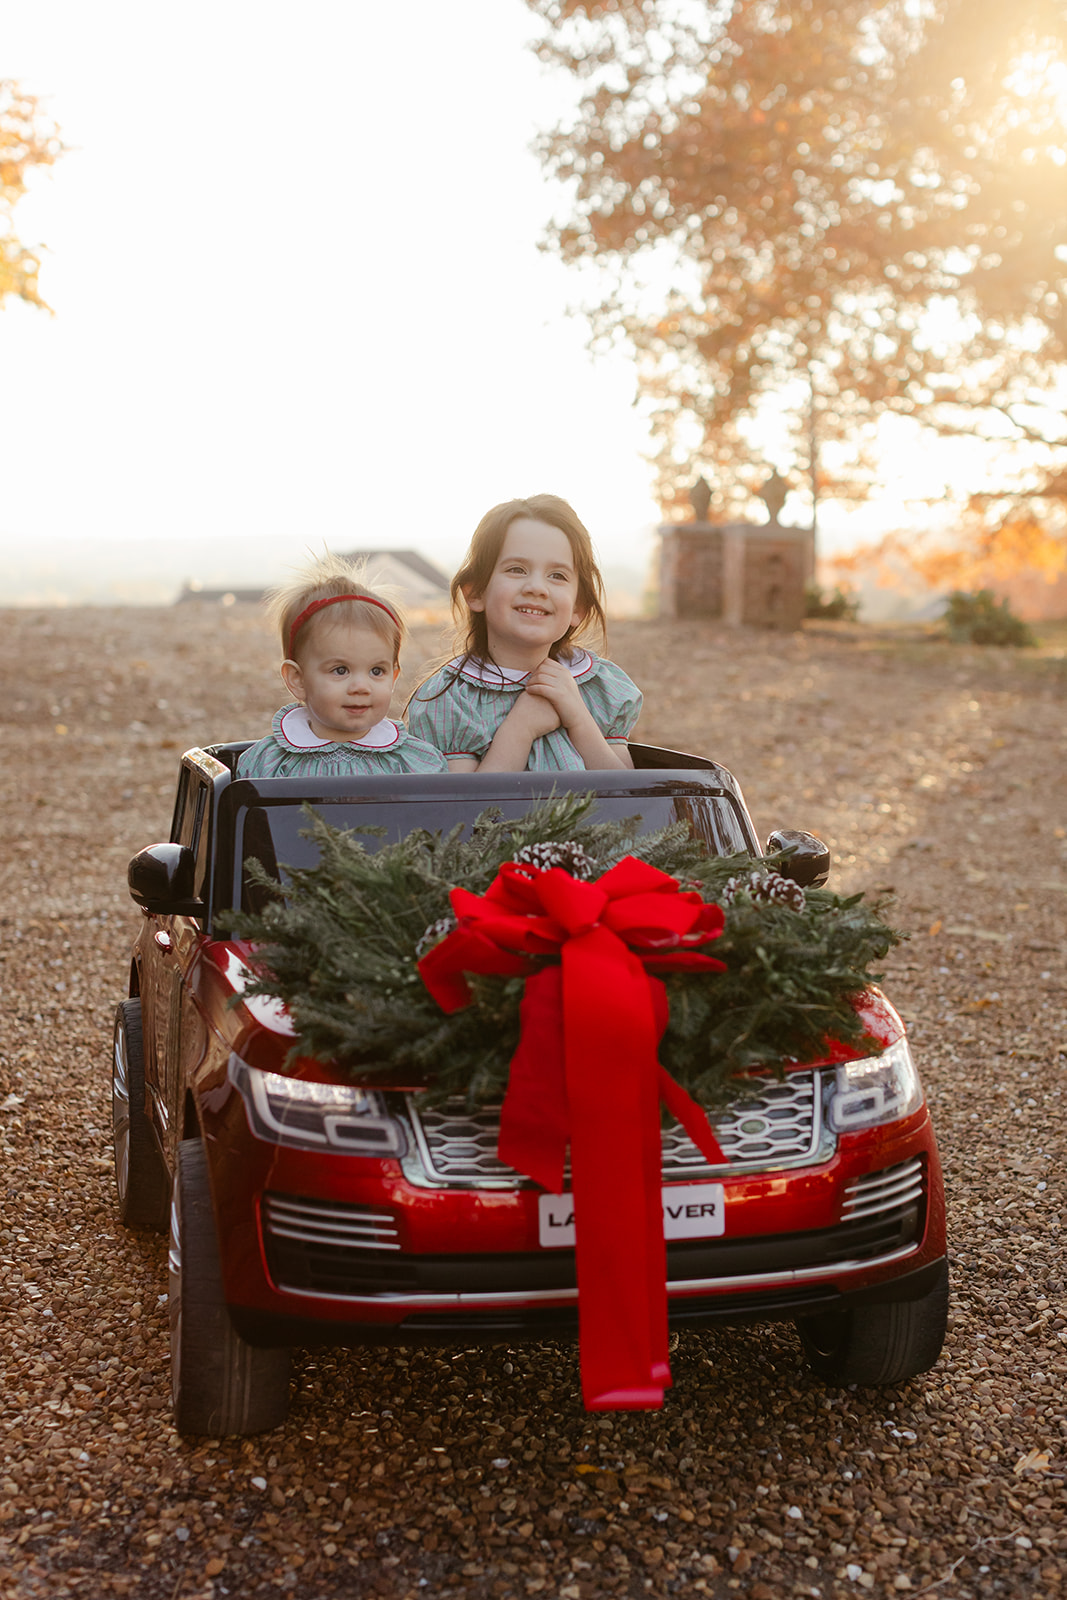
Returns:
(784, 892)
(565, 854)
(769, 888)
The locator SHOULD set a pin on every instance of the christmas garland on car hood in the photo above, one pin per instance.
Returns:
(340, 943)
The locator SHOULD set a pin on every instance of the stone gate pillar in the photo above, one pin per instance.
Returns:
(744, 573)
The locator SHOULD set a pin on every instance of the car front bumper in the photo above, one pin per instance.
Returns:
(343, 1250)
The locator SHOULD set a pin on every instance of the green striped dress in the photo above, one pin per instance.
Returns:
(293, 750)
(461, 707)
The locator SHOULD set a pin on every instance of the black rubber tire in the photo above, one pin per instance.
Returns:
(141, 1179)
(220, 1384)
(878, 1344)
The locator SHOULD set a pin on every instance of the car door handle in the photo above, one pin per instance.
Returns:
(164, 941)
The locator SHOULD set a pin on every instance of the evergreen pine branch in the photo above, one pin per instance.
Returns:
(337, 944)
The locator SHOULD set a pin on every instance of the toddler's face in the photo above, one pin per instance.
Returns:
(345, 677)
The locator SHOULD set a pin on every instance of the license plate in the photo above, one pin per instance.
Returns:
(690, 1211)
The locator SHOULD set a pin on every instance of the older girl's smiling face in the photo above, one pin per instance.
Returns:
(532, 597)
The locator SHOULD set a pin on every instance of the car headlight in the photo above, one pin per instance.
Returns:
(315, 1116)
(876, 1089)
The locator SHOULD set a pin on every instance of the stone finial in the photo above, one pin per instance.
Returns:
(773, 494)
(700, 499)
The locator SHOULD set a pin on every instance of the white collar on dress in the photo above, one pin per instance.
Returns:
(295, 728)
(488, 673)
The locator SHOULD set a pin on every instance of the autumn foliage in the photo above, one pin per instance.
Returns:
(28, 139)
(974, 556)
(864, 199)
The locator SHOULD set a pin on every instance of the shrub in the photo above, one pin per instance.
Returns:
(841, 606)
(981, 618)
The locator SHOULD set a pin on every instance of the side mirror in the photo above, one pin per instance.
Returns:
(161, 880)
(808, 861)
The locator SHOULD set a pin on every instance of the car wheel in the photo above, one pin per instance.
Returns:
(880, 1343)
(220, 1384)
(141, 1178)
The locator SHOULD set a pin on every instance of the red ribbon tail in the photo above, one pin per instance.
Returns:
(612, 1094)
(692, 1117)
(656, 1258)
(533, 1119)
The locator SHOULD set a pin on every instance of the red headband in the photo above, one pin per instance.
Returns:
(333, 600)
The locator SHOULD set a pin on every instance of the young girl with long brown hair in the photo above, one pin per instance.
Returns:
(523, 693)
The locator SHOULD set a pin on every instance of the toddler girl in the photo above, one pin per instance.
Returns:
(523, 694)
(341, 645)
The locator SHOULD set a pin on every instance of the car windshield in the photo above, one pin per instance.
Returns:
(275, 834)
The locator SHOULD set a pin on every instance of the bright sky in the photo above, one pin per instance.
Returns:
(293, 258)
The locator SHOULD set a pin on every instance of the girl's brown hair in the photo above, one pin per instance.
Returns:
(479, 564)
(324, 578)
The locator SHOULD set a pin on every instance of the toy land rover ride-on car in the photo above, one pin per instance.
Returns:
(308, 1208)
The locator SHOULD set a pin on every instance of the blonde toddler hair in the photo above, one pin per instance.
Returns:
(341, 584)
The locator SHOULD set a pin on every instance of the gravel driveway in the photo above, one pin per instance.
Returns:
(475, 1472)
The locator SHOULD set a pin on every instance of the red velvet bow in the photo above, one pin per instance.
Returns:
(586, 1072)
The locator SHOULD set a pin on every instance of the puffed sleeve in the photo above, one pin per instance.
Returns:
(615, 701)
(442, 713)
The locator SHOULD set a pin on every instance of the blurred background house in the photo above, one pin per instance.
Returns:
(421, 587)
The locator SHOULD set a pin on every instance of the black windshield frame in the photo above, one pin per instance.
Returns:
(256, 816)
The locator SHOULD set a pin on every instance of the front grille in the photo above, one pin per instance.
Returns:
(877, 1193)
(323, 1247)
(287, 1216)
(779, 1126)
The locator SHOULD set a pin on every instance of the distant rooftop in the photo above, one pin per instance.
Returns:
(422, 585)
(409, 558)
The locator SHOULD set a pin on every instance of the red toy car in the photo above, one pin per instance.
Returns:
(307, 1209)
